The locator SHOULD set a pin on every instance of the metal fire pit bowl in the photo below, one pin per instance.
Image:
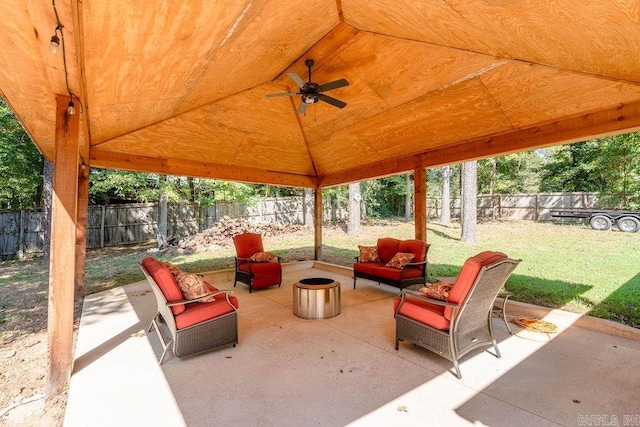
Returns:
(316, 298)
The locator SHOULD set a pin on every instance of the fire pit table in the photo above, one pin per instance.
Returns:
(316, 298)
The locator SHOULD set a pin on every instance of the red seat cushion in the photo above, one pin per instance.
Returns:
(264, 273)
(367, 267)
(395, 273)
(165, 281)
(423, 312)
(199, 312)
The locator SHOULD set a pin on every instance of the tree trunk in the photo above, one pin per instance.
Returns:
(408, 202)
(492, 185)
(46, 203)
(162, 217)
(307, 207)
(192, 189)
(353, 228)
(445, 209)
(469, 202)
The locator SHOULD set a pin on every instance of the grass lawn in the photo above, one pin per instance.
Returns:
(563, 266)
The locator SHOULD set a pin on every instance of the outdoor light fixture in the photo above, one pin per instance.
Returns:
(55, 43)
(71, 109)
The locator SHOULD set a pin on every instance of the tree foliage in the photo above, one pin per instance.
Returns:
(20, 164)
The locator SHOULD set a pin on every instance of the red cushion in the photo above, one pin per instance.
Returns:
(423, 311)
(247, 244)
(264, 273)
(395, 273)
(367, 267)
(165, 281)
(416, 247)
(468, 276)
(198, 312)
(387, 248)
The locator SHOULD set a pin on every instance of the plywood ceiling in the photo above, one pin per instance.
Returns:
(179, 87)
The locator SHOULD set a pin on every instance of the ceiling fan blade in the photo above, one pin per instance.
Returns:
(274, 95)
(302, 108)
(297, 79)
(333, 85)
(332, 101)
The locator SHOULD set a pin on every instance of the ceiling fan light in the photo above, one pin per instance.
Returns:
(309, 98)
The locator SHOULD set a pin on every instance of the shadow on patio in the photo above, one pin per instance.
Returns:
(288, 371)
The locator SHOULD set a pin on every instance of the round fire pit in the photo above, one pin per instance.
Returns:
(316, 298)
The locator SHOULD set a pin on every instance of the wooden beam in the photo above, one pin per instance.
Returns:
(317, 224)
(63, 245)
(613, 121)
(81, 229)
(420, 203)
(114, 160)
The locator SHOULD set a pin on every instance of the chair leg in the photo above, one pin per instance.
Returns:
(165, 345)
(457, 368)
(495, 345)
(354, 282)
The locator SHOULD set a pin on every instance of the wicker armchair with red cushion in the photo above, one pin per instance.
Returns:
(398, 263)
(462, 322)
(189, 326)
(254, 266)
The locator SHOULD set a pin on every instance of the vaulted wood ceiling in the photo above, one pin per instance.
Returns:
(179, 87)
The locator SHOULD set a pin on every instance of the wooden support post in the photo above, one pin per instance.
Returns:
(81, 229)
(63, 248)
(317, 224)
(420, 203)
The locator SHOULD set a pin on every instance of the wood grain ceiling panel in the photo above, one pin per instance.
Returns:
(530, 94)
(560, 34)
(342, 150)
(459, 112)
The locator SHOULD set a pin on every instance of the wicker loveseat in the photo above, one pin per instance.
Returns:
(374, 262)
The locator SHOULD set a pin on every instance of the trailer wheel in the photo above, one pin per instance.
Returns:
(600, 222)
(628, 224)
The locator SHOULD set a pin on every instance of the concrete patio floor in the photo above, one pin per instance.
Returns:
(288, 371)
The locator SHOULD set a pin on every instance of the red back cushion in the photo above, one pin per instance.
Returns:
(387, 248)
(416, 247)
(165, 281)
(468, 275)
(247, 244)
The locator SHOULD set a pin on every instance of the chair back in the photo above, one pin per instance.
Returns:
(247, 244)
(167, 313)
(477, 306)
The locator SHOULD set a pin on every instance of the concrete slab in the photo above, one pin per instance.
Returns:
(288, 371)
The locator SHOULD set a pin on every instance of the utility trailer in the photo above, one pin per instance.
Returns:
(602, 219)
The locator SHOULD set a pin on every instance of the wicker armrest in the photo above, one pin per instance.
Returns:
(420, 295)
(414, 264)
(226, 295)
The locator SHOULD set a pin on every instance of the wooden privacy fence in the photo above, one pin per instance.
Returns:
(22, 232)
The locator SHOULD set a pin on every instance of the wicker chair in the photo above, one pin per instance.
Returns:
(462, 323)
(189, 326)
(254, 266)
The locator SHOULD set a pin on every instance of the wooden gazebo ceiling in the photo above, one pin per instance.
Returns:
(179, 87)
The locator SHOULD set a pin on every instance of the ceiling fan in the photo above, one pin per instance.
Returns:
(311, 92)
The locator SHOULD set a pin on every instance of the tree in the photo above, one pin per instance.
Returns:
(21, 164)
(353, 228)
(445, 209)
(408, 199)
(469, 203)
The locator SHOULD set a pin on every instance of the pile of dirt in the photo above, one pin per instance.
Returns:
(221, 234)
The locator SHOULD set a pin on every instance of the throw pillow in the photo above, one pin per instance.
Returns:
(439, 291)
(369, 253)
(191, 285)
(400, 259)
(262, 257)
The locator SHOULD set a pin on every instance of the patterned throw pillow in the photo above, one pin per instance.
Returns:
(439, 291)
(262, 257)
(369, 253)
(400, 259)
(191, 285)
